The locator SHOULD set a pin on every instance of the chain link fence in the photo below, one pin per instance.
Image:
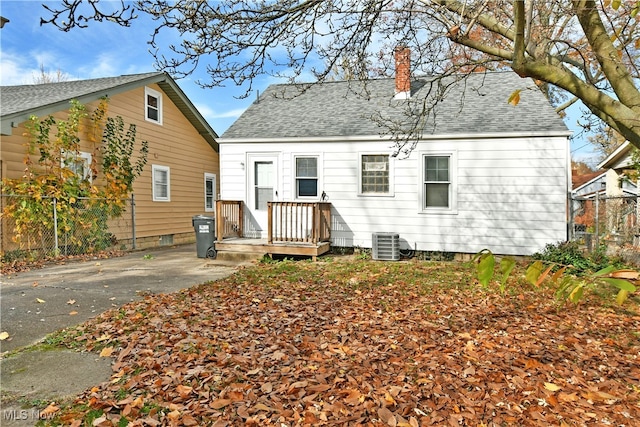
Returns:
(34, 228)
(605, 220)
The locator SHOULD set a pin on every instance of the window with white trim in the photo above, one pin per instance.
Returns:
(375, 177)
(306, 176)
(161, 183)
(152, 105)
(77, 162)
(209, 192)
(437, 178)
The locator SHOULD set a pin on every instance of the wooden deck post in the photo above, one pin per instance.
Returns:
(270, 223)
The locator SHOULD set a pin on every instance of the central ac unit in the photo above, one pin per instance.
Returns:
(385, 246)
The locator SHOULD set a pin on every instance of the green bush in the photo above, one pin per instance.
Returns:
(569, 254)
(572, 254)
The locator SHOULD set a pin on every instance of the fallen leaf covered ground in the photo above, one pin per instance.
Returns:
(13, 266)
(362, 343)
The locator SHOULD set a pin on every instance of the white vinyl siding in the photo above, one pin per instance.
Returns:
(508, 194)
(161, 183)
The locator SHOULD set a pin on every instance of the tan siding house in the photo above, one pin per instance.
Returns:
(183, 152)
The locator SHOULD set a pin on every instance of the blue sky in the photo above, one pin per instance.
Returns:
(105, 50)
(102, 50)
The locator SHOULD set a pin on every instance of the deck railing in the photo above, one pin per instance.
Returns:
(299, 222)
(229, 218)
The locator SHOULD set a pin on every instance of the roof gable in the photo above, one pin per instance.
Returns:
(474, 105)
(621, 157)
(18, 103)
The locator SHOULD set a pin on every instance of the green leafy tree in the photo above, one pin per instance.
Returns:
(81, 208)
(117, 154)
(582, 50)
(570, 281)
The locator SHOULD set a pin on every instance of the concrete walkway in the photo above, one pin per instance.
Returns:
(38, 302)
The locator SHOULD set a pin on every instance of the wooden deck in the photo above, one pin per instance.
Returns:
(294, 228)
(243, 244)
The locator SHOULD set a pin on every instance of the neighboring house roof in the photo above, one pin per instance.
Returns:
(18, 103)
(588, 184)
(580, 180)
(619, 158)
(476, 105)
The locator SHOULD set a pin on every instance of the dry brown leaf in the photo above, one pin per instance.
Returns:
(263, 407)
(243, 411)
(49, 410)
(189, 420)
(625, 274)
(99, 422)
(601, 396)
(174, 415)
(387, 417)
(220, 403)
(184, 391)
(106, 352)
(552, 386)
(389, 354)
(568, 397)
(138, 402)
(354, 397)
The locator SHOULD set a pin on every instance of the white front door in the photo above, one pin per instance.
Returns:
(263, 186)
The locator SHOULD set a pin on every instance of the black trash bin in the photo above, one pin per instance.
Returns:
(205, 229)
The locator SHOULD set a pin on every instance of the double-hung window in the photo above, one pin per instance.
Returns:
(375, 176)
(438, 192)
(306, 176)
(153, 105)
(209, 192)
(161, 183)
(77, 162)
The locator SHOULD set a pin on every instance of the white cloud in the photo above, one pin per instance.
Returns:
(231, 114)
(13, 73)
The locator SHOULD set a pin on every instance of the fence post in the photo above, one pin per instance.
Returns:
(55, 225)
(571, 232)
(133, 221)
(597, 219)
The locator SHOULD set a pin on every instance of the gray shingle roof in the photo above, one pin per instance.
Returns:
(17, 99)
(475, 105)
(18, 103)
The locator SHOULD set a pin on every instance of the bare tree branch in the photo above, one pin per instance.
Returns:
(581, 49)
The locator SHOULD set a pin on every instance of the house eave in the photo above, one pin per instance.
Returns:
(435, 137)
(615, 157)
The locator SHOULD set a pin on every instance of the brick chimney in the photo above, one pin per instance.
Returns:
(403, 72)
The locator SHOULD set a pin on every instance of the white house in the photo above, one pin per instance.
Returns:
(617, 166)
(483, 173)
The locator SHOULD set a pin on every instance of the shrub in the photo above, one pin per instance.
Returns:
(569, 254)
